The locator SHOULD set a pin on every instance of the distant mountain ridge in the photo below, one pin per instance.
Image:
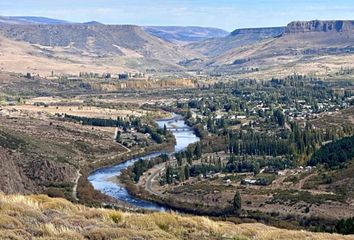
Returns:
(301, 46)
(76, 46)
(31, 20)
(185, 34)
(93, 38)
(238, 38)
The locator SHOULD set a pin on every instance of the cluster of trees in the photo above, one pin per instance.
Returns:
(203, 169)
(257, 143)
(334, 153)
(239, 164)
(119, 122)
(180, 173)
(345, 226)
(156, 134)
(193, 152)
(345, 71)
(131, 122)
(140, 166)
(297, 141)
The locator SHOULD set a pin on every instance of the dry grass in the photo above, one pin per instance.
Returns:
(17, 56)
(41, 217)
(79, 111)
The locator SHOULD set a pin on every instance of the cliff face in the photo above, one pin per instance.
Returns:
(320, 26)
(261, 32)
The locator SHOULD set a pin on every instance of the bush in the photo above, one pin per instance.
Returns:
(345, 226)
(55, 193)
(115, 216)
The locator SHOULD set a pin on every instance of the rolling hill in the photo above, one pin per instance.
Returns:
(86, 47)
(240, 37)
(183, 35)
(304, 47)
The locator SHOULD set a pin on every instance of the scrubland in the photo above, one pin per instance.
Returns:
(41, 217)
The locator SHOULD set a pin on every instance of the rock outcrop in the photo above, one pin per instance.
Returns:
(320, 26)
(260, 32)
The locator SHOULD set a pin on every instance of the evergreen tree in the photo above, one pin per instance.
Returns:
(164, 129)
(169, 174)
(198, 151)
(119, 137)
(186, 172)
(189, 114)
(178, 157)
(237, 203)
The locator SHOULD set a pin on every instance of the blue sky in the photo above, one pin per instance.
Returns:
(226, 14)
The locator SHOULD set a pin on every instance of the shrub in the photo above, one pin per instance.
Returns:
(115, 216)
(55, 193)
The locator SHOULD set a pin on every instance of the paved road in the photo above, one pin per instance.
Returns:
(151, 177)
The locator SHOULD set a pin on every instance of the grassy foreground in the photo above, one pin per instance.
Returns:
(41, 217)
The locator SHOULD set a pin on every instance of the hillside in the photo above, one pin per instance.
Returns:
(86, 47)
(176, 34)
(310, 47)
(238, 38)
(304, 47)
(41, 217)
(94, 39)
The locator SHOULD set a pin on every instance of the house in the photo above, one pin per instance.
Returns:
(123, 76)
(227, 181)
(250, 181)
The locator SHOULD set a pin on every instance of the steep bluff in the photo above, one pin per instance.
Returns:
(261, 32)
(320, 26)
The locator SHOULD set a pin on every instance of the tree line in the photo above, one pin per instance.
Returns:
(334, 153)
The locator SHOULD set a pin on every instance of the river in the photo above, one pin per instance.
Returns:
(100, 178)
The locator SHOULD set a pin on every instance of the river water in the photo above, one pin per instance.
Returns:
(100, 178)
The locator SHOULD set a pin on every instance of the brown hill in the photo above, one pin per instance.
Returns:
(313, 47)
(305, 47)
(184, 35)
(100, 46)
(240, 37)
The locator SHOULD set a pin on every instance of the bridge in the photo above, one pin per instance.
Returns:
(182, 129)
(174, 118)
